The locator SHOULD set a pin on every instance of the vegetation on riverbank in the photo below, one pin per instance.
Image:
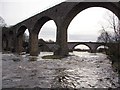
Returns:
(113, 37)
(114, 55)
(115, 58)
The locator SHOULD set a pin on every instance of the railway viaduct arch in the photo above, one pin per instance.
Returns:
(62, 14)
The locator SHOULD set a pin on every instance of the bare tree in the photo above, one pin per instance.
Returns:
(105, 36)
(2, 22)
(114, 24)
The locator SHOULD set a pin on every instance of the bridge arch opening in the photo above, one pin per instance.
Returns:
(48, 31)
(23, 39)
(47, 34)
(85, 25)
(45, 30)
(83, 6)
(81, 48)
(102, 49)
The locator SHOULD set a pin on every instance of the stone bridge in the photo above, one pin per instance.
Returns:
(71, 45)
(62, 14)
(92, 45)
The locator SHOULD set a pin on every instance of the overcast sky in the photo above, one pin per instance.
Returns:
(84, 27)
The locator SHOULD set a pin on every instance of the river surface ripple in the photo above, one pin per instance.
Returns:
(80, 70)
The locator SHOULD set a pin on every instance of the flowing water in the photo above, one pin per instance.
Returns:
(79, 70)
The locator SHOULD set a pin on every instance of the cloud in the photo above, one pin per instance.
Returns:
(15, 11)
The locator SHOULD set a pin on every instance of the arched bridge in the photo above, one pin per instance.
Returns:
(71, 45)
(92, 45)
(62, 14)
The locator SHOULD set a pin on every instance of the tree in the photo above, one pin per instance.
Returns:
(114, 25)
(2, 22)
(50, 40)
(104, 36)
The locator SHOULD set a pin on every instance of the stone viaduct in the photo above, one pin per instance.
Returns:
(93, 46)
(62, 14)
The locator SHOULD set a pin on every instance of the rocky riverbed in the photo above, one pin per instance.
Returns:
(79, 70)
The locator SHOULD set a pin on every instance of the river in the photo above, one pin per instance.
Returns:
(79, 70)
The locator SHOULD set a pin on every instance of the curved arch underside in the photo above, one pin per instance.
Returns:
(84, 5)
(21, 30)
(82, 44)
(38, 25)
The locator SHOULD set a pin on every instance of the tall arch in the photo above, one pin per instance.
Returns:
(34, 49)
(86, 25)
(20, 39)
(82, 6)
(38, 25)
(48, 29)
(21, 30)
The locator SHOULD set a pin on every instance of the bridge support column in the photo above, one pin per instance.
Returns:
(4, 44)
(19, 44)
(10, 43)
(33, 44)
(62, 42)
(93, 50)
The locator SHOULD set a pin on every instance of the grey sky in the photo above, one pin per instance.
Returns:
(14, 11)
(92, 0)
(84, 27)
